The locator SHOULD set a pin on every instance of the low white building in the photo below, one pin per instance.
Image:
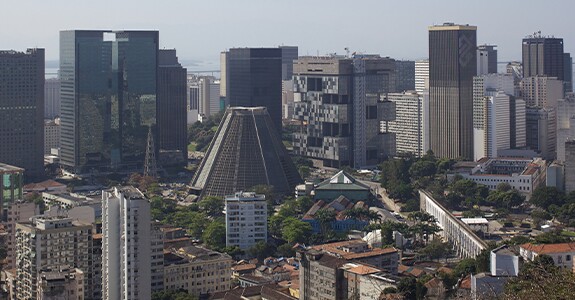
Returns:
(522, 174)
(562, 253)
(246, 219)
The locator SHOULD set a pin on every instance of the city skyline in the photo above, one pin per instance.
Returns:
(400, 28)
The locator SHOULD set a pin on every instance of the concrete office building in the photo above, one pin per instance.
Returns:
(50, 242)
(498, 117)
(410, 122)
(543, 56)
(254, 78)
(131, 256)
(541, 131)
(246, 219)
(404, 75)
(208, 95)
(22, 110)
(51, 135)
(486, 59)
(289, 55)
(51, 98)
(452, 65)
(421, 75)
(515, 69)
(337, 101)
(171, 107)
(568, 72)
(108, 95)
(570, 166)
(565, 124)
(541, 91)
(224, 79)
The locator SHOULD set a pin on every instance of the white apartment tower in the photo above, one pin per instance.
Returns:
(409, 124)
(246, 219)
(127, 251)
(421, 75)
(51, 242)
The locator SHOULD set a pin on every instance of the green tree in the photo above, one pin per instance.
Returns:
(285, 250)
(261, 250)
(325, 218)
(422, 168)
(215, 235)
(546, 195)
(296, 231)
(212, 206)
(553, 237)
(436, 249)
(464, 267)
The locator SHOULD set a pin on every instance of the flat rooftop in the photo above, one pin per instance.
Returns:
(6, 169)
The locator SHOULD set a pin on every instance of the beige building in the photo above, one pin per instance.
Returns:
(197, 270)
(51, 135)
(50, 242)
(63, 282)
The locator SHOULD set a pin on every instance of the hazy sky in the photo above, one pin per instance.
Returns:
(199, 30)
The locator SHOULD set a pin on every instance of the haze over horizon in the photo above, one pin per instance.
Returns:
(201, 30)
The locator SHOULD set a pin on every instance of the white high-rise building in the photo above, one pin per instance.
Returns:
(498, 117)
(421, 75)
(246, 219)
(129, 242)
(409, 124)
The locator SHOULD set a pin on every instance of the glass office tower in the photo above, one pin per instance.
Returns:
(108, 96)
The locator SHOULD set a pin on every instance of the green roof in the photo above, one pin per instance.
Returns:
(342, 181)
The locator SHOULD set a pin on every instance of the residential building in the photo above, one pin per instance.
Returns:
(541, 91)
(51, 135)
(171, 106)
(570, 166)
(404, 75)
(364, 282)
(50, 242)
(108, 95)
(562, 253)
(421, 75)
(504, 265)
(132, 253)
(22, 110)
(386, 259)
(543, 56)
(541, 131)
(246, 151)
(522, 174)
(254, 78)
(337, 102)
(51, 98)
(61, 282)
(409, 124)
(486, 59)
(246, 219)
(197, 270)
(452, 65)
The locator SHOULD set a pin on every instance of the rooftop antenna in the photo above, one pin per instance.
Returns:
(346, 52)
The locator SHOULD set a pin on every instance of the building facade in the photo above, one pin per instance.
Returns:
(50, 242)
(51, 98)
(541, 91)
(570, 166)
(421, 76)
(338, 103)
(171, 106)
(51, 135)
(410, 122)
(22, 110)
(543, 56)
(129, 244)
(246, 219)
(486, 59)
(254, 78)
(108, 95)
(541, 131)
(404, 75)
(452, 65)
(62, 282)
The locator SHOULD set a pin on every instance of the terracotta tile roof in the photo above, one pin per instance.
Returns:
(363, 270)
(97, 236)
(549, 248)
(465, 283)
(244, 267)
(335, 248)
(44, 185)
(413, 271)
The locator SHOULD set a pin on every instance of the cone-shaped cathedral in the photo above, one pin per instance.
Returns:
(246, 151)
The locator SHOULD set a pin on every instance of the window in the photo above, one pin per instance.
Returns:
(568, 257)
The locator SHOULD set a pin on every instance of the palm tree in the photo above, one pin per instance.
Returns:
(325, 217)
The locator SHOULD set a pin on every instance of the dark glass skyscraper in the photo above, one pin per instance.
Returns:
(172, 97)
(543, 56)
(452, 65)
(108, 98)
(22, 110)
(255, 79)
